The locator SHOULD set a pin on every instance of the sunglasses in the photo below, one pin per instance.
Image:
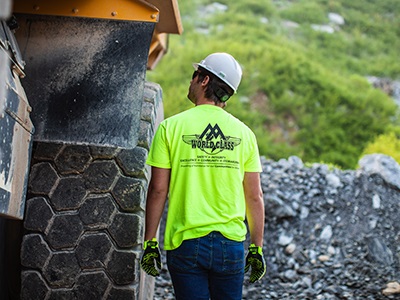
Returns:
(195, 73)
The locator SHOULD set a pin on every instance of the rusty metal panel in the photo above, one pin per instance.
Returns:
(170, 22)
(170, 18)
(16, 131)
(132, 10)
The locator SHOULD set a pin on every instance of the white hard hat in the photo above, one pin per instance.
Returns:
(224, 66)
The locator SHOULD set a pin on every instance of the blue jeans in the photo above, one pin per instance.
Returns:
(208, 267)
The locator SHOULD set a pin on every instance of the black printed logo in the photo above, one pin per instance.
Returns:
(212, 140)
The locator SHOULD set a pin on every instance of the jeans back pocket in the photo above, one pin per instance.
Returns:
(233, 256)
(185, 256)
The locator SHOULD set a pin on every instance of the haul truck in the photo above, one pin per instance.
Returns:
(76, 120)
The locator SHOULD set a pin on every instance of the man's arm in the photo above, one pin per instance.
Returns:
(254, 207)
(156, 198)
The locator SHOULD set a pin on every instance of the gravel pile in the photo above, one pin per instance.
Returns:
(329, 234)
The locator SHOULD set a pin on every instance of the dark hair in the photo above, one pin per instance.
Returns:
(216, 90)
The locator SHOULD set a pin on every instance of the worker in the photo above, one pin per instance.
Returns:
(207, 163)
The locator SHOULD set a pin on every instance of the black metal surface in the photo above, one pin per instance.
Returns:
(85, 78)
(10, 265)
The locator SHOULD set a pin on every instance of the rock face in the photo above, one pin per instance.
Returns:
(388, 86)
(329, 234)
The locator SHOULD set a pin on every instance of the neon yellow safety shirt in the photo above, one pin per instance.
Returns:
(208, 151)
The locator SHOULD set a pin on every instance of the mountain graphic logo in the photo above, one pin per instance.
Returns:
(212, 140)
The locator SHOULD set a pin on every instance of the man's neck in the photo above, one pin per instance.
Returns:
(203, 101)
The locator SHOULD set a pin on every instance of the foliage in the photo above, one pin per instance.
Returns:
(304, 11)
(388, 144)
(303, 92)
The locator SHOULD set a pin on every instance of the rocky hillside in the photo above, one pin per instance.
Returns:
(329, 234)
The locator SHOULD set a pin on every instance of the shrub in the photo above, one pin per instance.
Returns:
(388, 144)
(306, 92)
(305, 12)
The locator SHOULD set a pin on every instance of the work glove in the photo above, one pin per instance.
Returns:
(255, 260)
(150, 255)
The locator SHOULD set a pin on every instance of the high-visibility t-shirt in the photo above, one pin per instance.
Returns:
(208, 151)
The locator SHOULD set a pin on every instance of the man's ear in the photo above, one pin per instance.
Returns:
(205, 81)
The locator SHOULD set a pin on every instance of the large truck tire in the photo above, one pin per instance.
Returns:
(84, 217)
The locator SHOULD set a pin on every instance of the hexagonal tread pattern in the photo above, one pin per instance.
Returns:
(85, 216)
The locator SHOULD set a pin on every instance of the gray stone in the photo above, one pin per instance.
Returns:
(383, 165)
(345, 248)
(376, 201)
(326, 233)
(296, 161)
(276, 207)
(336, 18)
(323, 28)
(304, 212)
(290, 275)
(333, 180)
(284, 239)
(379, 252)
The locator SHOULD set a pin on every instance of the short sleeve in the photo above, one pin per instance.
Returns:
(159, 154)
(253, 163)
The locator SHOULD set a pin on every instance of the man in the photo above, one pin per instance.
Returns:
(208, 162)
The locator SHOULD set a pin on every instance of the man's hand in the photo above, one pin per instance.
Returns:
(255, 260)
(151, 254)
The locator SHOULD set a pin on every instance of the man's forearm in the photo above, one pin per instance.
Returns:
(156, 198)
(154, 211)
(255, 219)
(254, 207)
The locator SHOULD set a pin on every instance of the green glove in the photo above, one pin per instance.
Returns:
(151, 253)
(255, 260)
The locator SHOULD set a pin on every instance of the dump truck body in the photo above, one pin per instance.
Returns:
(77, 118)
